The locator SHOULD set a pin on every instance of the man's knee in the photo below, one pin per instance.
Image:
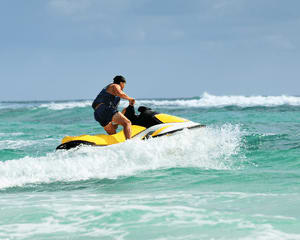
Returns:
(109, 128)
(126, 123)
(110, 131)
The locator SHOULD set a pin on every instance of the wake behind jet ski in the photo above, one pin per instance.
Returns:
(145, 125)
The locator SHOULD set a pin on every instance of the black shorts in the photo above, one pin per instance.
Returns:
(104, 114)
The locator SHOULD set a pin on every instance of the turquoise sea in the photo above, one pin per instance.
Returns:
(238, 178)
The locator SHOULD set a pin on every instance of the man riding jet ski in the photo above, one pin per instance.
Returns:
(145, 125)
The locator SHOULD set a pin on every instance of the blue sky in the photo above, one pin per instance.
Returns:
(70, 49)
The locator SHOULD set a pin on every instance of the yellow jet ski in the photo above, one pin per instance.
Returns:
(145, 125)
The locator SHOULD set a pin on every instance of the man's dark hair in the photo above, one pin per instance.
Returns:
(118, 79)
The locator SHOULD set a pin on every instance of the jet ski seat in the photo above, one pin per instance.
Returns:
(146, 118)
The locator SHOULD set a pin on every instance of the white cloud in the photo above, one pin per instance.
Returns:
(70, 7)
(279, 41)
(178, 34)
(90, 8)
(144, 21)
(222, 4)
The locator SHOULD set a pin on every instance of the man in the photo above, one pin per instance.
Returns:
(106, 107)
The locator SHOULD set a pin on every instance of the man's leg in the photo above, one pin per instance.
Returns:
(120, 119)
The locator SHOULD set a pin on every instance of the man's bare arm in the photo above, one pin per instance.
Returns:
(117, 91)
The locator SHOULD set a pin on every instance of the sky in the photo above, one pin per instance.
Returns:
(71, 49)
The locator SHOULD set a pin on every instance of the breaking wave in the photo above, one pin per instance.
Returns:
(206, 100)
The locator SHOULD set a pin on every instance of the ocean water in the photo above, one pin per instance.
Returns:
(238, 178)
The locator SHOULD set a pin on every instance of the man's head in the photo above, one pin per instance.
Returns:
(118, 79)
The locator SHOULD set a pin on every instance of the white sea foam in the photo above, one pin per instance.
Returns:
(73, 104)
(195, 214)
(208, 100)
(9, 105)
(66, 105)
(207, 148)
(13, 144)
(268, 232)
(11, 134)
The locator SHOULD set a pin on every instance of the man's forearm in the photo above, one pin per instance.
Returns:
(124, 96)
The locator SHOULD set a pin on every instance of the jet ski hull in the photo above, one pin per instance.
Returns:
(152, 132)
(150, 125)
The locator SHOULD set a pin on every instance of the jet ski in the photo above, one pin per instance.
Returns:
(148, 124)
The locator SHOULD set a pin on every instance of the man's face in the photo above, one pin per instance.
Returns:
(122, 84)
